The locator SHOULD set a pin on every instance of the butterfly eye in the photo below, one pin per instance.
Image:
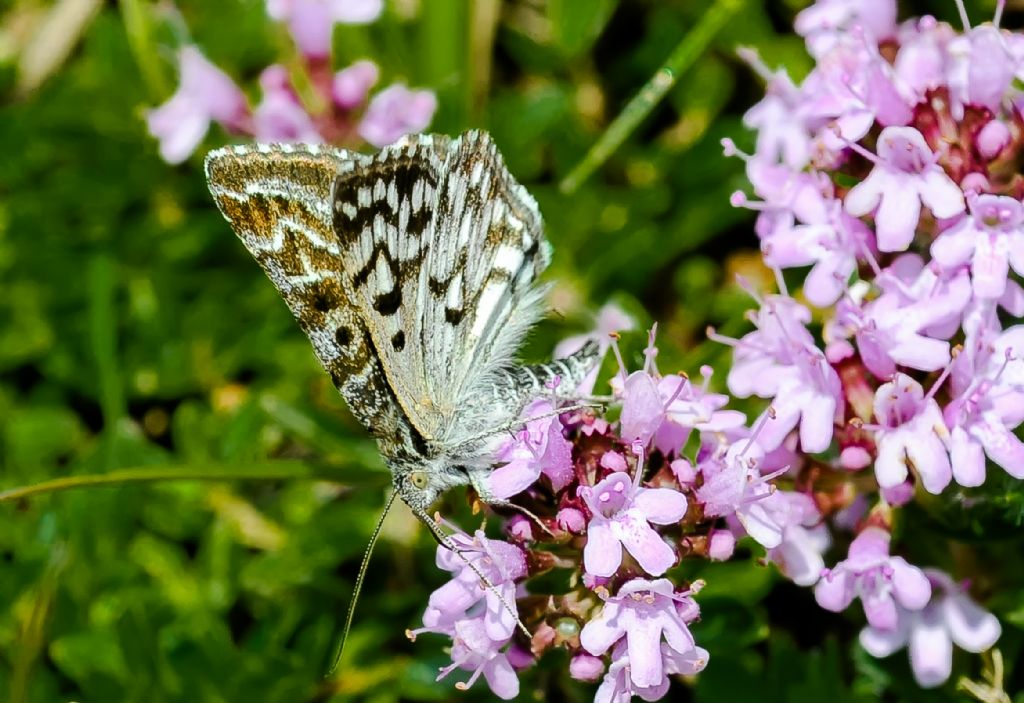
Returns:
(419, 479)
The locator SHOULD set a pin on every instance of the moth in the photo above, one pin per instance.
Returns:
(413, 273)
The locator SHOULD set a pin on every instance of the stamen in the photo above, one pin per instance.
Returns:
(683, 380)
(462, 686)
(873, 158)
(964, 19)
(618, 357)
(998, 17)
(749, 289)
(752, 58)
(769, 414)
(651, 351)
(780, 281)
(954, 353)
(729, 149)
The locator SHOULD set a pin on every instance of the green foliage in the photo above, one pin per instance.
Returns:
(137, 336)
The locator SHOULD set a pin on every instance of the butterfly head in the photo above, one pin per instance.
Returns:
(420, 483)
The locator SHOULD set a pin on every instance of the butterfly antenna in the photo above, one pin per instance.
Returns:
(359, 584)
(446, 541)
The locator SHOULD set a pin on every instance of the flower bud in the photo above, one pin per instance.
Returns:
(585, 667)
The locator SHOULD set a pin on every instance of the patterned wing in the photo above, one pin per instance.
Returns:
(278, 200)
(442, 245)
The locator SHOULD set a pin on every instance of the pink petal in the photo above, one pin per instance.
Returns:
(599, 634)
(662, 506)
(931, 653)
(643, 543)
(865, 196)
(1002, 447)
(760, 524)
(954, 247)
(501, 677)
(643, 642)
(898, 215)
(513, 478)
(603, 552)
(929, 456)
(882, 643)
(834, 591)
(940, 194)
(890, 466)
(971, 627)
(880, 610)
(967, 457)
(816, 423)
(910, 585)
(989, 269)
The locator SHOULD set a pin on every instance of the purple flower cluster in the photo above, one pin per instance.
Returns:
(887, 181)
(621, 503)
(339, 108)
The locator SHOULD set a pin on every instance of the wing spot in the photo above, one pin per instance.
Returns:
(322, 301)
(388, 303)
(452, 316)
(343, 336)
(398, 341)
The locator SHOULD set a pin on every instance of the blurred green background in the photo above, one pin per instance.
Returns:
(136, 334)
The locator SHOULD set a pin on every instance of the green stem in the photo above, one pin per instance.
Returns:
(685, 53)
(271, 470)
(137, 27)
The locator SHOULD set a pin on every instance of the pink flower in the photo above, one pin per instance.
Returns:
(733, 486)
(311, 21)
(280, 117)
(905, 175)
(981, 419)
(395, 112)
(204, 93)
(911, 430)
(465, 596)
(992, 239)
(781, 134)
(780, 360)
(908, 323)
(473, 650)
(824, 21)
(950, 617)
(620, 517)
(804, 541)
(618, 685)
(351, 86)
(643, 616)
(540, 448)
(827, 238)
(881, 581)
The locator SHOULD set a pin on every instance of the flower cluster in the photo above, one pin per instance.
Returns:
(886, 183)
(335, 106)
(677, 476)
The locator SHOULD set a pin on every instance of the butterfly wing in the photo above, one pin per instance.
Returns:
(277, 199)
(442, 246)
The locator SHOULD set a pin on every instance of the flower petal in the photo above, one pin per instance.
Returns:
(643, 543)
(599, 634)
(662, 506)
(501, 677)
(931, 652)
(971, 627)
(603, 552)
(910, 585)
(967, 457)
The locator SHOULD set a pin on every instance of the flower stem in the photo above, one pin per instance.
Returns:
(270, 470)
(685, 53)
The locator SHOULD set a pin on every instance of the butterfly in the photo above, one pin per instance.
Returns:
(413, 273)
